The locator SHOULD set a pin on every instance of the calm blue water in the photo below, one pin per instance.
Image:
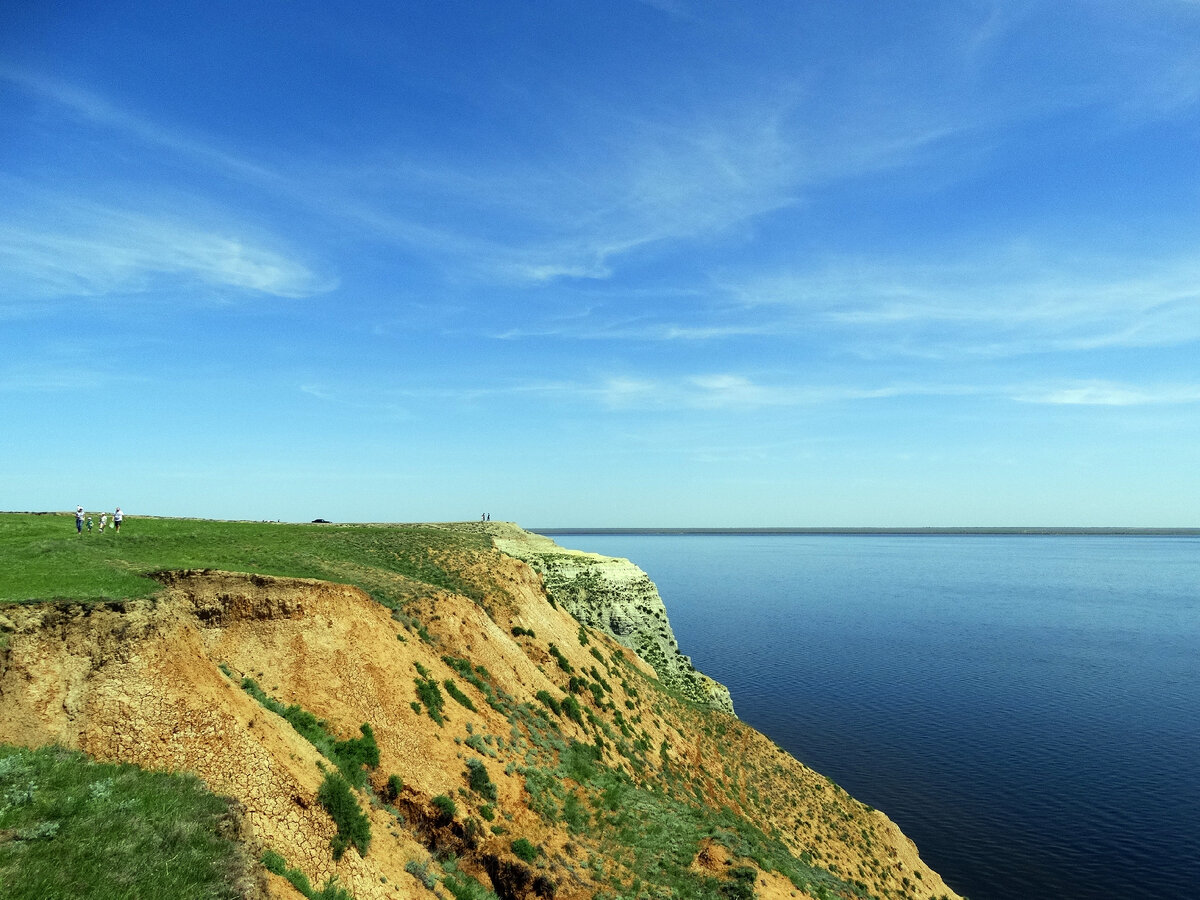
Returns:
(1027, 709)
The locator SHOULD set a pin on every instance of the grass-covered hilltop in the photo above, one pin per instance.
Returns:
(211, 709)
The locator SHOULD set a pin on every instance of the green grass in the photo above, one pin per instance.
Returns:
(430, 695)
(353, 827)
(459, 697)
(42, 558)
(273, 862)
(461, 885)
(88, 830)
(447, 809)
(393, 788)
(350, 755)
(652, 829)
(525, 849)
(479, 779)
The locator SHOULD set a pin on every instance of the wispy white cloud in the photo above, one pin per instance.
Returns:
(101, 112)
(617, 184)
(677, 8)
(1107, 393)
(58, 242)
(566, 215)
(989, 305)
(52, 379)
(97, 250)
(735, 391)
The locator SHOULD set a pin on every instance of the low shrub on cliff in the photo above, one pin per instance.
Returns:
(560, 659)
(349, 755)
(74, 828)
(459, 697)
(579, 761)
(353, 827)
(479, 779)
(273, 862)
(571, 709)
(391, 790)
(525, 849)
(549, 702)
(461, 885)
(353, 754)
(740, 885)
(431, 696)
(446, 809)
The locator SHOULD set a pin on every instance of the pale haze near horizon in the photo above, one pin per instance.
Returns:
(619, 263)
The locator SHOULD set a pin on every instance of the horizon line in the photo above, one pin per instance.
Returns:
(873, 530)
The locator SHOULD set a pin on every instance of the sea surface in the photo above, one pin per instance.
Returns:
(1026, 708)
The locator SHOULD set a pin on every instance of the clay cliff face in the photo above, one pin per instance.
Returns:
(589, 760)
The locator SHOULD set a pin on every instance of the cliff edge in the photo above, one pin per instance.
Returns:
(445, 731)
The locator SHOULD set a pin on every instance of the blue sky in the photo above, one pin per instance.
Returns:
(668, 262)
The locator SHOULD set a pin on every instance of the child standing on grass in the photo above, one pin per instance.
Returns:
(89, 524)
(103, 522)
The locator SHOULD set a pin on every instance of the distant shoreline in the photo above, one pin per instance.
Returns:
(1118, 531)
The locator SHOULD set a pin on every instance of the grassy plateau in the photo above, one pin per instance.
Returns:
(42, 557)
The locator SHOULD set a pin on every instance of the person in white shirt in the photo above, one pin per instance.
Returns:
(117, 517)
(103, 522)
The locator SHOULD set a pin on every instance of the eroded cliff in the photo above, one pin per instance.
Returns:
(595, 782)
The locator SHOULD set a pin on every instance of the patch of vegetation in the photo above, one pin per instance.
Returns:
(553, 705)
(652, 826)
(430, 695)
(93, 831)
(525, 849)
(571, 709)
(479, 744)
(353, 827)
(479, 677)
(350, 756)
(479, 779)
(579, 761)
(273, 862)
(740, 885)
(420, 871)
(461, 885)
(575, 814)
(456, 692)
(560, 659)
(518, 631)
(446, 808)
(392, 789)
